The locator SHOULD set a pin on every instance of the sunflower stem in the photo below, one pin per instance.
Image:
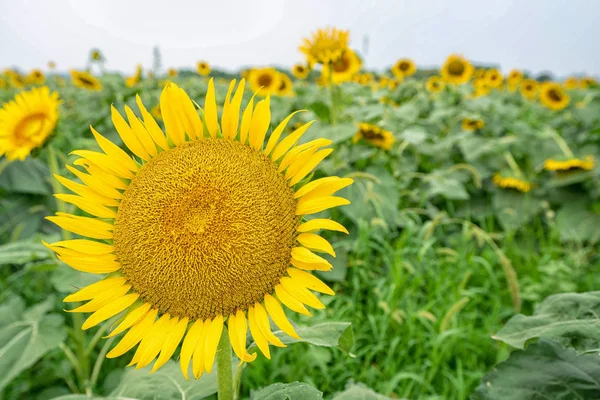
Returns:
(224, 370)
(237, 380)
(562, 145)
(333, 109)
(513, 164)
(99, 361)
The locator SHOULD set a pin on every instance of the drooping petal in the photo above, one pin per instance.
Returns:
(134, 335)
(259, 338)
(171, 342)
(262, 319)
(309, 281)
(278, 316)
(213, 335)
(300, 293)
(188, 346)
(130, 319)
(199, 352)
(289, 301)
(238, 328)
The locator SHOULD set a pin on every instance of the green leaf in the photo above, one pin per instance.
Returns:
(327, 334)
(68, 280)
(577, 223)
(339, 263)
(27, 176)
(321, 110)
(335, 133)
(515, 209)
(414, 135)
(359, 392)
(446, 187)
(23, 252)
(287, 391)
(544, 371)
(565, 315)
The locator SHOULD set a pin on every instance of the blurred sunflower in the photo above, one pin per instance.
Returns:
(586, 164)
(479, 73)
(343, 69)
(172, 72)
(226, 257)
(96, 55)
(393, 84)
(374, 135)
(435, 84)
(203, 68)
(363, 79)
(156, 113)
(264, 81)
(85, 80)
(493, 78)
(571, 83)
(514, 78)
(324, 46)
(553, 96)
(529, 88)
(472, 124)
(383, 82)
(404, 67)
(35, 77)
(285, 85)
(456, 70)
(51, 65)
(481, 88)
(587, 81)
(509, 182)
(3, 83)
(135, 78)
(16, 80)
(27, 121)
(300, 71)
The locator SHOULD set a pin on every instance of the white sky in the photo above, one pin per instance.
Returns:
(537, 35)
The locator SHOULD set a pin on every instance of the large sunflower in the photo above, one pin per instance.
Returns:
(86, 80)
(493, 78)
(201, 226)
(203, 68)
(553, 96)
(27, 121)
(264, 81)
(404, 67)
(457, 70)
(529, 88)
(324, 46)
(343, 69)
(435, 84)
(285, 85)
(300, 71)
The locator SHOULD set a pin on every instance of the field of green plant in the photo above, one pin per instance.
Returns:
(472, 203)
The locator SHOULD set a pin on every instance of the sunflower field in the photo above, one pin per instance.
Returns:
(324, 231)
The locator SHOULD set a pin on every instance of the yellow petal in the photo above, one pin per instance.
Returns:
(188, 346)
(140, 131)
(309, 281)
(84, 226)
(153, 129)
(101, 186)
(225, 113)
(210, 110)
(93, 290)
(289, 301)
(320, 204)
(213, 335)
(104, 162)
(127, 135)
(156, 342)
(293, 154)
(311, 266)
(238, 328)
(189, 116)
(276, 134)
(94, 265)
(230, 126)
(261, 119)
(262, 319)
(300, 293)
(169, 111)
(102, 299)
(130, 319)
(87, 192)
(114, 151)
(171, 342)
(85, 246)
(199, 353)
(87, 205)
(110, 310)
(315, 242)
(278, 316)
(299, 161)
(307, 256)
(289, 141)
(323, 187)
(246, 118)
(257, 335)
(310, 165)
(101, 174)
(321, 223)
(134, 335)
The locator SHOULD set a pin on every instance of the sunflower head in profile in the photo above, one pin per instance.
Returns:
(472, 124)
(457, 70)
(529, 88)
(285, 85)
(505, 181)
(16, 79)
(553, 96)
(85, 80)
(35, 77)
(404, 67)
(569, 164)
(199, 227)
(435, 84)
(27, 121)
(300, 71)
(571, 83)
(96, 55)
(324, 46)
(343, 69)
(493, 78)
(587, 81)
(374, 135)
(203, 68)
(264, 81)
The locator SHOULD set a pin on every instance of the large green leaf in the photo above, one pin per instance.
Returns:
(23, 252)
(327, 334)
(515, 209)
(567, 315)
(542, 372)
(576, 222)
(27, 176)
(359, 392)
(287, 391)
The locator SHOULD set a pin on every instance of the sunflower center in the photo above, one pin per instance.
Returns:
(29, 127)
(404, 66)
(283, 85)
(265, 80)
(342, 64)
(456, 68)
(554, 95)
(206, 228)
(86, 81)
(372, 135)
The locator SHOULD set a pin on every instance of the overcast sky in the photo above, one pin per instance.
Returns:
(537, 35)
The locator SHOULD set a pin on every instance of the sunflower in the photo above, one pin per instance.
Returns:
(96, 55)
(479, 73)
(481, 88)
(513, 79)
(343, 69)
(135, 78)
(16, 80)
(200, 227)
(553, 96)
(586, 164)
(203, 68)
(363, 79)
(3, 83)
(172, 72)
(571, 83)
(27, 121)
(587, 81)
(404, 67)
(285, 85)
(472, 124)
(529, 88)
(456, 70)
(51, 65)
(300, 71)
(511, 183)
(435, 84)
(264, 81)
(325, 46)
(374, 135)
(86, 80)
(493, 78)
(393, 84)
(35, 77)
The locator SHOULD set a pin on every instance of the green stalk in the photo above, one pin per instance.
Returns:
(224, 372)
(332, 96)
(237, 380)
